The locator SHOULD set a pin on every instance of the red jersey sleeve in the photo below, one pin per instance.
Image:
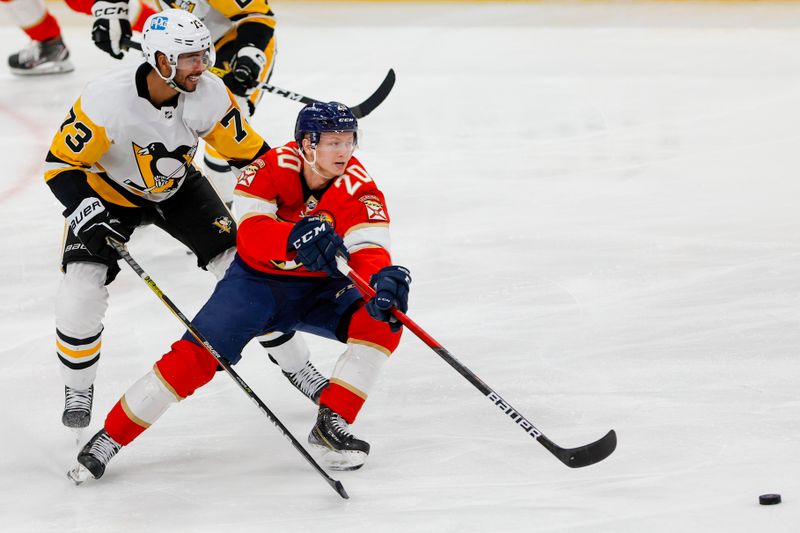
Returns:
(368, 261)
(261, 235)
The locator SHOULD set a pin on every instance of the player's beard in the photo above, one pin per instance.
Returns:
(182, 86)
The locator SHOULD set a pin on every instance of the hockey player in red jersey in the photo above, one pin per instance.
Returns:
(47, 53)
(300, 206)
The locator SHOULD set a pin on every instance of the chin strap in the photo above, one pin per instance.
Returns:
(171, 79)
(313, 163)
(175, 86)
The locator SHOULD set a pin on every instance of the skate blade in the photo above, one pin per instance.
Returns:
(78, 474)
(78, 434)
(43, 70)
(339, 461)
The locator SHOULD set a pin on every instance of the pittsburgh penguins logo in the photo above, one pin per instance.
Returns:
(224, 224)
(186, 5)
(161, 169)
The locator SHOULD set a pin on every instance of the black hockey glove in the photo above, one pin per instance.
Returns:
(246, 67)
(92, 224)
(111, 25)
(317, 245)
(391, 286)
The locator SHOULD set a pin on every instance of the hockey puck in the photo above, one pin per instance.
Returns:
(769, 499)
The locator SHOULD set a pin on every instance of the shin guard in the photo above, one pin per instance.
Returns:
(175, 376)
(352, 379)
(81, 304)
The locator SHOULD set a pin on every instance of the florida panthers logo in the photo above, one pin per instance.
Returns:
(161, 169)
(326, 216)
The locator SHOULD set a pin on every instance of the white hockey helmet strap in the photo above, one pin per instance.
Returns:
(174, 32)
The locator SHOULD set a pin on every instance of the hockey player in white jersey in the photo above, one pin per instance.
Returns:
(122, 158)
(243, 33)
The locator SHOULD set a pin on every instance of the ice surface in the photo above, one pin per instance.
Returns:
(599, 207)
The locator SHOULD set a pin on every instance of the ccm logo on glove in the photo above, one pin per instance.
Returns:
(309, 235)
(317, 245)
(105, 9)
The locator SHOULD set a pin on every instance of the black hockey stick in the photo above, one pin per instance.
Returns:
(123, 252)
(572, 457)
(360, 111)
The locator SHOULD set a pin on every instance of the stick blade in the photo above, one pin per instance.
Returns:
(338, 487)
(590, 453)
(375, 99)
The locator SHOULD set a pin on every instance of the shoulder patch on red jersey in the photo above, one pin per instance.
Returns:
(249, 172)
(375, 209)
(367, 197)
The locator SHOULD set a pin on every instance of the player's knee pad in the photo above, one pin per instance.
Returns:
(219, 263)
(364, 329)
(289, 350)
(82, 300)
(186, 368)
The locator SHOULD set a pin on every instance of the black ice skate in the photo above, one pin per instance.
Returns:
(77, 407)
(340, 449)
(45, 57)
(94, 457)
(307, 380)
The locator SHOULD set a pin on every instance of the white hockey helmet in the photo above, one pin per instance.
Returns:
(174, 32)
